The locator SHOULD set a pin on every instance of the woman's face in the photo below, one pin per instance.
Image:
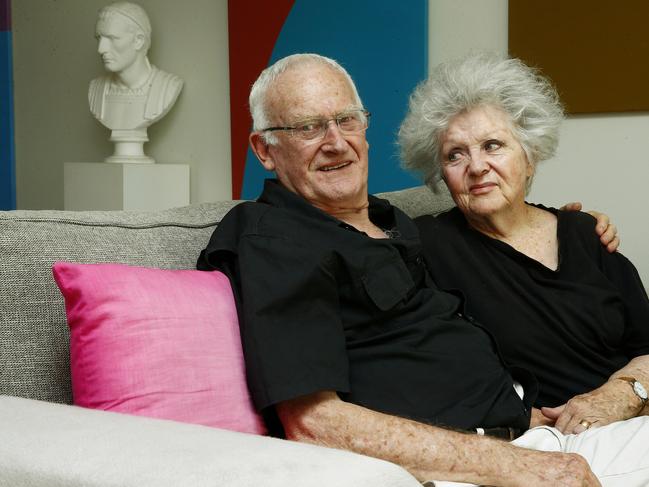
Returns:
(484, 165)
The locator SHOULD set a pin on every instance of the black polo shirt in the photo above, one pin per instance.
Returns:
(323, 306)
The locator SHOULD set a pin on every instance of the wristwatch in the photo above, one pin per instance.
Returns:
(638, 388)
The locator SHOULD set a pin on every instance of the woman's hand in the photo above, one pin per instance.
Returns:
(604, 228)
(613, 401)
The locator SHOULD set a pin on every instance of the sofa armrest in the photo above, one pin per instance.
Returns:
(46, 444)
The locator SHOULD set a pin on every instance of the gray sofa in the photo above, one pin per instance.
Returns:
(45, 441)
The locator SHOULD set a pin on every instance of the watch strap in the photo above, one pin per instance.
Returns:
(632, 382)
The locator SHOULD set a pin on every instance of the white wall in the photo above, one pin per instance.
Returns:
(55, 57)
(458, 26)
(602, 160)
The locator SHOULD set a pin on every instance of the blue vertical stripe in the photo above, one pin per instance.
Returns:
(7, 166)
(384, 46)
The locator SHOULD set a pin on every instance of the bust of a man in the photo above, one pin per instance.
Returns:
(133, 94)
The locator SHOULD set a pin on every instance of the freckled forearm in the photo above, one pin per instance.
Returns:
(425, 451)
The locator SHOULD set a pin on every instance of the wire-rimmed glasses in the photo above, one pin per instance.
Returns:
(313, 129)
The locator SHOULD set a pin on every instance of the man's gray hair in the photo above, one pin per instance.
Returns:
(528, 98)
(259, 91)
(135, 14)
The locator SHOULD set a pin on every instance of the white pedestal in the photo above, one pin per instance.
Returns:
(124, 186)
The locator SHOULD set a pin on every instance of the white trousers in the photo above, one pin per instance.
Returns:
(617, 453)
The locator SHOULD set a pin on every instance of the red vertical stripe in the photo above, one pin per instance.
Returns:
(253, 28)
(5, 15)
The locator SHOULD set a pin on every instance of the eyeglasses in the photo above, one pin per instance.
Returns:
(349, 122)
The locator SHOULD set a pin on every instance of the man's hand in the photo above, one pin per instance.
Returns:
(550, 468)
(540, 419)
(604, 228)
(611, 402)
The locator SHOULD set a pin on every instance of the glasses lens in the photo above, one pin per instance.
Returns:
(348, 122)
(355, 121)
(309, 129)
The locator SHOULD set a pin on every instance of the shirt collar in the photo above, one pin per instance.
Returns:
(381, 212)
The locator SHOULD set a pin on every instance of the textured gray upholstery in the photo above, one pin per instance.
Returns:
(34, 354)
(420, 200)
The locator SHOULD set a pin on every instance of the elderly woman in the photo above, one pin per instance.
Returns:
(558, 304)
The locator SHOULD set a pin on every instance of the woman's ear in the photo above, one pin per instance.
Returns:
(530, 170)
(261, 149)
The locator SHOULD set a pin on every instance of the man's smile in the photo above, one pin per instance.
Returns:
(334, 166)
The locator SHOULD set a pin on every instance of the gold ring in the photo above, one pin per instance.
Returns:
(585, 423)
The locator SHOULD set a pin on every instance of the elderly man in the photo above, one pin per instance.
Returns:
(347, 342)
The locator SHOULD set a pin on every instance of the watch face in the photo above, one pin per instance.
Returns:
(640, 390)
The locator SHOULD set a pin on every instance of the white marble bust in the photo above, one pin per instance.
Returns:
(133, 94)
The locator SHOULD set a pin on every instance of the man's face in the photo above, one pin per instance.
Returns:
(330, 173)
(117, 43)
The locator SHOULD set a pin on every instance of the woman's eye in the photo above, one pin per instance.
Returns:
(453, 157)
(493, 145)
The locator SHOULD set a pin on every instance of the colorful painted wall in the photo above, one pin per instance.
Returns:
(7, 168)
(382, 43)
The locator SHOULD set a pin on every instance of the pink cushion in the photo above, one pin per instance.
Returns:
(158, 343)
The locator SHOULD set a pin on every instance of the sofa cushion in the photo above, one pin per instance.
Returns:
(53, 445)
(157, 343)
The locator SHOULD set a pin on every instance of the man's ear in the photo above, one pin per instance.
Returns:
(261, 149)
(139, 41)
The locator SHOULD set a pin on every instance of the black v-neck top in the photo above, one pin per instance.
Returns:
(572, 327)
(324, 307)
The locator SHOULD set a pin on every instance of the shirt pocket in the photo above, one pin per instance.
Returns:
(387, 284)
